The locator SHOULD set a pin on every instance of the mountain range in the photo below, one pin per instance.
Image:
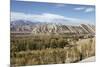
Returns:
(24, 26)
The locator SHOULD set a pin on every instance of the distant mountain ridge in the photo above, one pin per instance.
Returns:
(49, 28)
(22, 25)
(22, 22)
(63, 29)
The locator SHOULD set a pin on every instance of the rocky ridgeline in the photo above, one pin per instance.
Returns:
(50, 28)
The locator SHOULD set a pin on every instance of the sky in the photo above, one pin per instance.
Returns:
(52, 12)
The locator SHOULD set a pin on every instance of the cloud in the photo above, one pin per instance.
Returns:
(79, 8)
(44, 17)
(35, 17)
(60, 5)
(84, 9)
(89, 10)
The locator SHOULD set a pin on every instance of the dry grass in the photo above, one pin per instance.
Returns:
(82, 49)
(86, 47)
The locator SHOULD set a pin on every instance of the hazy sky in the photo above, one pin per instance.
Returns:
(48, 12)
